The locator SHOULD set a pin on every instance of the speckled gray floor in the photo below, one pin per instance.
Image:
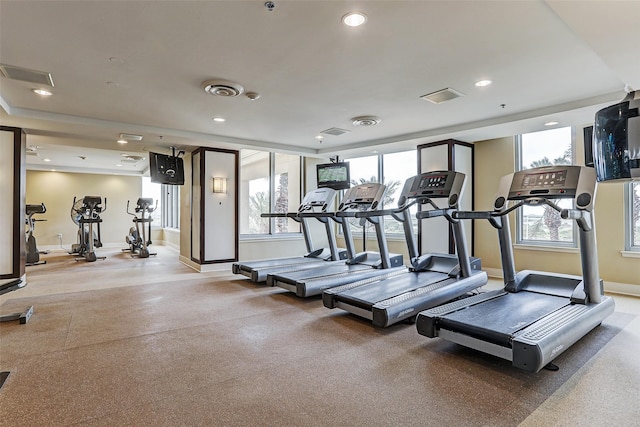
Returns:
(151, 342)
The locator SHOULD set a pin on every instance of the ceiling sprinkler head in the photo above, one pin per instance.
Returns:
(252, 95)
(270, 6)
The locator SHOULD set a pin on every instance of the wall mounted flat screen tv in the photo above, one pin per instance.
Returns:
(333, 175)
(165, 169)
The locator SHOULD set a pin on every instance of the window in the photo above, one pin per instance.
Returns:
(286, 190)
(153, 190)
(395, 169)
(542, 225)
(167, 213)
(254, 192)
(170, 203)
(270, 182)
(632, 201)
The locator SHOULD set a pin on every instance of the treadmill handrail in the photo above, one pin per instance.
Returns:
(436, 213)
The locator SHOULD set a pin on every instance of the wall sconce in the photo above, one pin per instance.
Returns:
(219, 185)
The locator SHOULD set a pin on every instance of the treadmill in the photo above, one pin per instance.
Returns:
(432, 279)
(318, 200)
(537, 315)
(359, 267)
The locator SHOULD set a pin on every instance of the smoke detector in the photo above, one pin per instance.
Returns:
(366, 120)
(222, 88)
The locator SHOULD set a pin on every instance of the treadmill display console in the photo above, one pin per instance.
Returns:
(551, 179)
(362, 193)
(553, 182)
(433, 184)
(322, 197)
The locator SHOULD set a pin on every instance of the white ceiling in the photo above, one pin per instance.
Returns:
(137, 67)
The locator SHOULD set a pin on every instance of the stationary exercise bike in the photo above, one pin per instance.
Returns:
(33, 254)
(139, 238)
(85, 213)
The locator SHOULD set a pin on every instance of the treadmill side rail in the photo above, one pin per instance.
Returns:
(393, 310)
(537, 345)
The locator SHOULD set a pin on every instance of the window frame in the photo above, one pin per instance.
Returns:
(272, 199)
(519, 226)
(380, 178)
(629, 189)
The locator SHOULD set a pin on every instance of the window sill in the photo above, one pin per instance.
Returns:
(271, 237)
(544, 248)
(630, 254)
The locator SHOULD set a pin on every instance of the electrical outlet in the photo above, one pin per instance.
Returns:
(59, 235)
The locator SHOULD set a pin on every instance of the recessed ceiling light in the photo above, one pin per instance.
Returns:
(319, 137)
(219, 119)
(354, 19)
(123, 141)
(46, 160)
(42, 92)
(118, 165)
(551, 123)
(482, 83)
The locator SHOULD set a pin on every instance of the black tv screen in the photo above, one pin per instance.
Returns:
(333, 175)
(165, 169)
(588, 145)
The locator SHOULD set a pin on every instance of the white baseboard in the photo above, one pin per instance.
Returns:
(622, 289)
(224, 267)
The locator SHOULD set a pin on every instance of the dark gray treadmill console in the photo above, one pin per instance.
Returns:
(437, 184)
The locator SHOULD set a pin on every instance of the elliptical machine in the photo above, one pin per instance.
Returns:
(139, 238)
(85, 213)
(33, 254)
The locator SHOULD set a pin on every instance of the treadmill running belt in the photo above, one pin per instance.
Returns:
(391, 287)
(497, 320)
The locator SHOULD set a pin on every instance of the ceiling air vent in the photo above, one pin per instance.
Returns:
(335, 131)
(366, 120)
(131, 158)
(26, 75)
(222, 88)
(440, 96)
(130, 137)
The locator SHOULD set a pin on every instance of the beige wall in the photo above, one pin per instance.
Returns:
(57, 190)
(495, 158)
